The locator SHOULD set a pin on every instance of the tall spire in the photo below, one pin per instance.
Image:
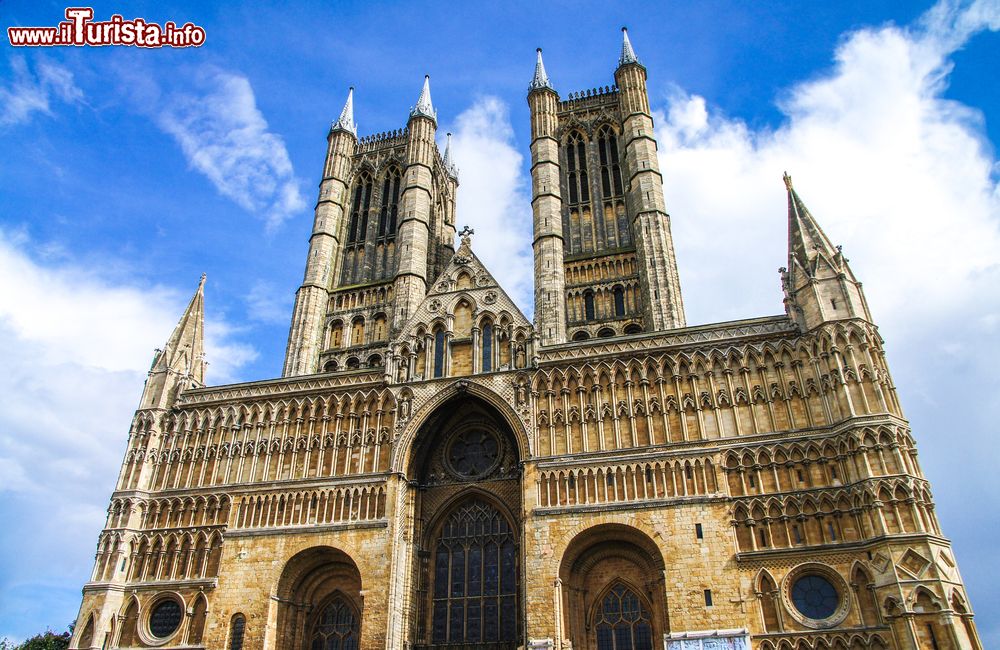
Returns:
(628, 54)
(818, 283)
(346, 120)
(181, 362)
(806, 240)
(449, 164)
(424, 108)
(540, 80)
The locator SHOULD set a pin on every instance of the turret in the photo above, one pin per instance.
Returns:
(546, 205)
(415, 215)
(181, 363)
(818, 283)
(306, 331)
(660, 282)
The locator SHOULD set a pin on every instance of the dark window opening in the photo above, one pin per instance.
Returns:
(439, 353)
(588, 305)
(619, 295)
(699, 532)
(708, 598)
(236, 632)
(475, 578)
(623, 621)
(487, 347)
(336, 628)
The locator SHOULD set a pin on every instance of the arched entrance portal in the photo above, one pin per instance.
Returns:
(611, 578)
(319, 602)
(465, 491)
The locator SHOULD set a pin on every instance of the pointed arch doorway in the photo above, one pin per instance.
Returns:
(465, 489)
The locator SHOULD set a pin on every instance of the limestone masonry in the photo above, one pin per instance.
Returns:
(433, 470)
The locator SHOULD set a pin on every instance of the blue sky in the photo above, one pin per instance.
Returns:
(127, 173)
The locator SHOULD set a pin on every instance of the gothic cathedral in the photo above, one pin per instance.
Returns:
(434, 471)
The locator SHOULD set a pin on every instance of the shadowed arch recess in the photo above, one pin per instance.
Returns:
(611, 579)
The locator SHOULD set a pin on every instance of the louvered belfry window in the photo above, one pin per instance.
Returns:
(475, 579)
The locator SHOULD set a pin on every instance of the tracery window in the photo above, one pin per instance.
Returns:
(336, 628)
(390, 205)
(622, 621)
(576, 169)
(475, 578)
(611, 171)
(359, 209)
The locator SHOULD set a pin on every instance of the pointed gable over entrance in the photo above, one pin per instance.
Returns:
(466, 325)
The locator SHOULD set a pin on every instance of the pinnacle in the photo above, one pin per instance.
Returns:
(540, 80)
(628, 54)
(424, 107)
(449, 164)
(805, 238)
(346, 120)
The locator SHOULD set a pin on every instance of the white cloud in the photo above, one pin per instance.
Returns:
(267, 303)
(225, 137)
(893, 171)
(75, 349)
(31, 93)
(903, 178)
(493, 196)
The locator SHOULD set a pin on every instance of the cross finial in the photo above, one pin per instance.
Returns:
(466, 235)
(788, 181)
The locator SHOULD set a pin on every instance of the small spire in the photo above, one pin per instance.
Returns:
(806, 240)
(346, 120)
(628, 54)
(540, 80)
(424, 108)
(449, 164)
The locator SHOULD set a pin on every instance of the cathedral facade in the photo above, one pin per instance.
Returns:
(433, 470)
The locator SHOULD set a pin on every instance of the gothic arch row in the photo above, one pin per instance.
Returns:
(628, 482)
(600, 303)
(359, 298)
(658, 400)
(829, 642)
(174, 512)
(216, 446)
(608, 269)
(830, 517)
(142, 557)
(311, 507)
(784, 467)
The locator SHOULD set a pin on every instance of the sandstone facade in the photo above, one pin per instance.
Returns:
(434, 470)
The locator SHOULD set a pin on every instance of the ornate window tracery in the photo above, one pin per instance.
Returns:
(336, 627)
(576, 169)
(475, 578)
(622, 621)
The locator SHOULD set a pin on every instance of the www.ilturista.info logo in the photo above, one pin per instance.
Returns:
(79, 29)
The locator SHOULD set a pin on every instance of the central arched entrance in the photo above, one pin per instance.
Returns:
(464, 478)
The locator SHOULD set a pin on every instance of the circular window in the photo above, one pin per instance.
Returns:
(474, 453)
(815, 597)
(165, 618)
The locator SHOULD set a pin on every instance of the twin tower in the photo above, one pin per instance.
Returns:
(384, 226)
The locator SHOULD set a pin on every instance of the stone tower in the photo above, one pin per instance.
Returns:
(604, 256)
(384, 228)
(455, 478)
